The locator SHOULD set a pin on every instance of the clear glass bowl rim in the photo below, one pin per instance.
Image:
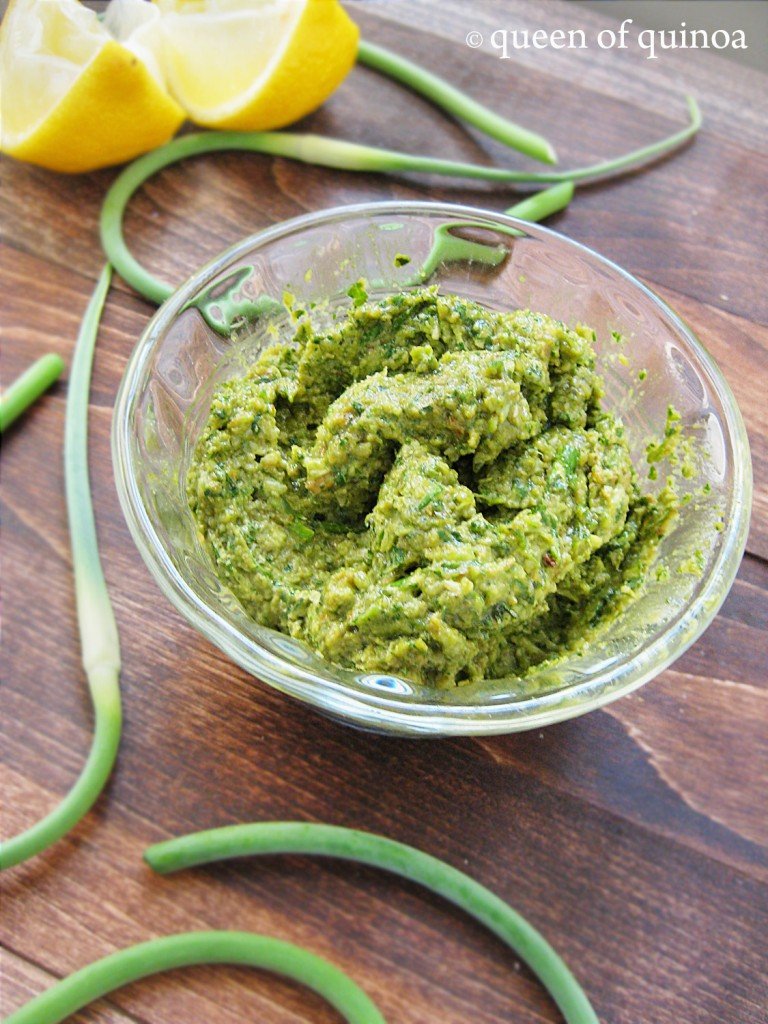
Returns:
(391, 713)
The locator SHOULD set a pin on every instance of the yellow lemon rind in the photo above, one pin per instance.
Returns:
(114, 111)
(308, 59)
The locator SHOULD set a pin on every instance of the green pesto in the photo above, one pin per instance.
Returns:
(427, 488)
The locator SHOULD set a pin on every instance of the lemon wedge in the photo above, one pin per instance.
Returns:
(79, 93)
(253, 65)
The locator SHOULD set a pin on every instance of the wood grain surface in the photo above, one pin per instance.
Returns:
(635, 838)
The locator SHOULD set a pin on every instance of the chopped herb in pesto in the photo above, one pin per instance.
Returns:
(357, 292)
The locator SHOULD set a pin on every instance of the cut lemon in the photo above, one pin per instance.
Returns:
(253, 65)
(75, 97)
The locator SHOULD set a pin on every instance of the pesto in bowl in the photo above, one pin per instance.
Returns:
(217, 328)
(427, 488)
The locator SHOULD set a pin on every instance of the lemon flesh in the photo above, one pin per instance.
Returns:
(73, 97)
(254, 65)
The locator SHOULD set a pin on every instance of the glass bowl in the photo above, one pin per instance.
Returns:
(213, 325)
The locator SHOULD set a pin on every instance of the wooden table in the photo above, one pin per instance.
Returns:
(635, 838)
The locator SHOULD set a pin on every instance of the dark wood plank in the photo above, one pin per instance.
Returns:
(634, 837)
(646, 893)
(730, 92)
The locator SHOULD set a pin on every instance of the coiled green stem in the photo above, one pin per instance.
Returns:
(98, 631)
(543, 204)
(455, 102)
(27, 388)
(104, 976)
(389, 855)
(324, 152)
